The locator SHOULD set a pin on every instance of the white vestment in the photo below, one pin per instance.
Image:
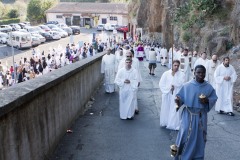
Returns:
(185, 67)
(163, 56)
(135, 65)
(210, 69)
(127, 91)
(201, 61)
(168, 115)
(224, 89)
(108, 68)
(157, 50)
(170, 52)
(147, 49)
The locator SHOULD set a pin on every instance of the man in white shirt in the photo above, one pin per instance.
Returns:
(152, 55)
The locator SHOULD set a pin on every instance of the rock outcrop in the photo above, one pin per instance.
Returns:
(219, 33)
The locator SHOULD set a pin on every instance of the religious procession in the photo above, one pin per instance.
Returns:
(190, 87)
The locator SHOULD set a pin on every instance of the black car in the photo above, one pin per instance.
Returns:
(75, 29)
(46, 35)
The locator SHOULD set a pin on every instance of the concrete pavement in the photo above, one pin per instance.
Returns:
(101, 135)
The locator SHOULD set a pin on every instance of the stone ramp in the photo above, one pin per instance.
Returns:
(101, 135)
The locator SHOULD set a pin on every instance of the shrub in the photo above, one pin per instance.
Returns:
(8, 21)
(186, 36)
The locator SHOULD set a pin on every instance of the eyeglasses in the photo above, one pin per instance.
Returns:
(214, 60)
(128, 62)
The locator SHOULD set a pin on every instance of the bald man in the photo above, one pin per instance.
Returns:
(211, 66)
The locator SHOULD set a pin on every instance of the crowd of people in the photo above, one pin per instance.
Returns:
(42, 62)
(191, 87)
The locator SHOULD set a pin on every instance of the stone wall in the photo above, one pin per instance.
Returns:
(35, 115)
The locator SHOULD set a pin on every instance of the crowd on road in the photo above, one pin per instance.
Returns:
(191, 87)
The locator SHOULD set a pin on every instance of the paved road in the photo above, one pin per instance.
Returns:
(100, 134)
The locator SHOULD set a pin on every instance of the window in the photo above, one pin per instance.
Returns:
(17, 38)
(113, 18)
(59, 16)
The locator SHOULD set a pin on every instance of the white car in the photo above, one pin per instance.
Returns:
(61, 25)
(3, 37)
(109, 27)
(42, 39)
(100, 27)
(61, 32)
(35, 41)
(55, 34)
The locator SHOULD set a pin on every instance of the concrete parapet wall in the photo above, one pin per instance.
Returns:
(35, 115)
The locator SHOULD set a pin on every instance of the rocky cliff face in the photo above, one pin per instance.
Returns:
(219, 32)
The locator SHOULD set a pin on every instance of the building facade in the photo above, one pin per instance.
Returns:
(92, 14)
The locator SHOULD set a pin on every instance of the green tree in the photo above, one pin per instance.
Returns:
(13, 13)
(34, 10)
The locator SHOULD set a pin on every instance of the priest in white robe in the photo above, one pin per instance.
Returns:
(225, 76)
(170, 84)
(108, 68)
(127, 81)
(202, 60)
(185, 65)
(211, 66)
(163, 56)
(147, 49)
(135, 65)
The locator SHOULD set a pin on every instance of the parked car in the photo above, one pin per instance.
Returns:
(65, 28)
(19, 39)
(122, 28)
(52, 26)
(15, 26)
(22, 25)
(110, 27)
(75, 29)
(62, 33)
(34, 29)
(45, 28)
(35, 41)
(5, 28)
(3, 37)
(23, 30)
(100, 27)
(52, 22)
(27, 23)
(47, 36)
(41, 38)
(55, 35)
(61, 25)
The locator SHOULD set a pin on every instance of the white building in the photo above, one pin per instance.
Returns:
(77, 13)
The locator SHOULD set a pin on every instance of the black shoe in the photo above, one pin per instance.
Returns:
(221, 112)
(130, 118)
(153, 74)
(230, 114)
(136, 111)
(150, 73)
